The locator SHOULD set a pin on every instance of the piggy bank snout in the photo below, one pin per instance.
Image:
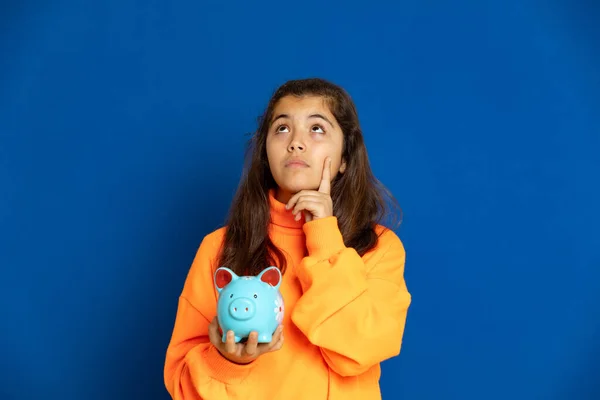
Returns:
(242, 309)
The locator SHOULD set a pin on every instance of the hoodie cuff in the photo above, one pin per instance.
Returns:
(323, 238)
(223, 370)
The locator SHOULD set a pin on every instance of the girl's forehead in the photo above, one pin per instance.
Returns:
(300, 104)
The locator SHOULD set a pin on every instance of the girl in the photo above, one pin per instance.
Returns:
(308, 204)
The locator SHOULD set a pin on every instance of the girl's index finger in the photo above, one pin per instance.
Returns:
(325, 186)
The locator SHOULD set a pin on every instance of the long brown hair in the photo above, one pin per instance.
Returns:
(359, 199)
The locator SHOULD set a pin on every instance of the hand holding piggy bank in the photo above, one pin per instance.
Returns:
(249, 303)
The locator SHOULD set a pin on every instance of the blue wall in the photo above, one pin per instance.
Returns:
(122, 130)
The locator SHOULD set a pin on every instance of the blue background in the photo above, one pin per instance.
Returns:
(122, 131)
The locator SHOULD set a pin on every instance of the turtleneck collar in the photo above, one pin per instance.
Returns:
(280, 216)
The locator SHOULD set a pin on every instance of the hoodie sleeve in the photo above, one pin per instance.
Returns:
(354, 308)
(194, 368)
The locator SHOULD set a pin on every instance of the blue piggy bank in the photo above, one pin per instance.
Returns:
(249, 303)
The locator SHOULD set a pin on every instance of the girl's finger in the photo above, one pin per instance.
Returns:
(251, 344)
(230, 343)
(279, 344)
(307, 216)
(325, 186)
(308, 205)
(276, 337)
(213, 333)
(301, 195)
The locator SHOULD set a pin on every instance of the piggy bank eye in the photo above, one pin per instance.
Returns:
(255, 296)
(231, 297)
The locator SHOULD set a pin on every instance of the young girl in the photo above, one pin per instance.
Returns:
(308, 204)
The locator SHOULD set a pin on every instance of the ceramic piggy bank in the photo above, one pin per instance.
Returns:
(249, 303)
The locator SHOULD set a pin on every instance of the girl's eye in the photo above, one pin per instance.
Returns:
(317, 129)
(255, 296)
(281, 129)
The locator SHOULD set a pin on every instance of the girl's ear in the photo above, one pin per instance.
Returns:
(343, 166)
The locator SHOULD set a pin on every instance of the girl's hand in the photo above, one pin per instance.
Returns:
(315, 204)
(243, 353)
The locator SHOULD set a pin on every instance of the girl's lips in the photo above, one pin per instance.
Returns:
(296, 163)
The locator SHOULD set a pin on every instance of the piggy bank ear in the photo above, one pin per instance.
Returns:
(271, 275)
(222, 277)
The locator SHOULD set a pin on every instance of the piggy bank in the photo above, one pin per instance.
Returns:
(249, 303)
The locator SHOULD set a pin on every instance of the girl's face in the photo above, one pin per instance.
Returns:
(302, 134)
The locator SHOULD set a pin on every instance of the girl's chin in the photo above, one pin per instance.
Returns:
(296, 187)
(284, 193)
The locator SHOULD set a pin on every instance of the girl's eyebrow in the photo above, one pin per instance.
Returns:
(321, 117)
(279, 117)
